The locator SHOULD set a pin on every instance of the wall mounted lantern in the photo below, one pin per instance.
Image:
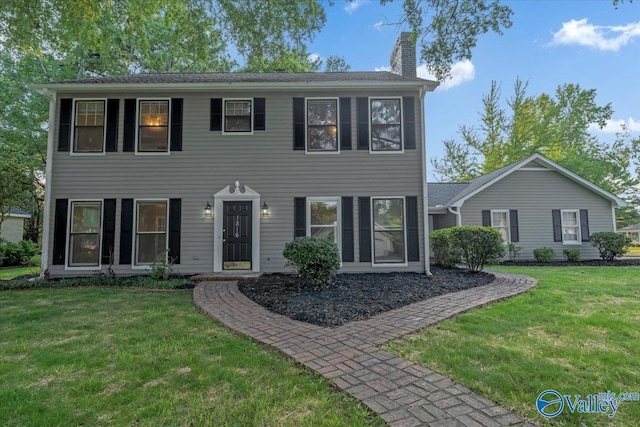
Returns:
(207, 210)
(264, 213)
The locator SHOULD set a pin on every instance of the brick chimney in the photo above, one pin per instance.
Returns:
(403, 56)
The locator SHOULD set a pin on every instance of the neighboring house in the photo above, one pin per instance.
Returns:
(632, 231)
(12, 228)
(533, 202)
(224, 169)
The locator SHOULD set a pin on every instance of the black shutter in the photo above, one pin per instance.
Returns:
(259, 114)
(298, 124)
(584, 225)
(113, 111)
(557, 225)
(216, 114)
(108, 231)
(486, 218)
(64, 125)
(365, 228)
(129, 137)
(175, 220)
(409, 122)
(60, 231)
(345, 123)
(347, 229)
(362, 111)
(176, 124)
(513, 224)
(126, 231)
(413, 230)
(300, 216)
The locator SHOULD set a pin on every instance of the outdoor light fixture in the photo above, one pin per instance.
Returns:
(207, 210)
(265, 210)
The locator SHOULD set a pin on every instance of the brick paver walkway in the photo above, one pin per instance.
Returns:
(402, 393)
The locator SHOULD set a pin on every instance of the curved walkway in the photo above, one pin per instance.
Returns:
(402, 393)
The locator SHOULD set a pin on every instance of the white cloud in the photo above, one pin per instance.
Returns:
(383, 68)
(353, 5)
(614, 126)
(580, 32)
(463, 71)
(313, 57)
(378, 26)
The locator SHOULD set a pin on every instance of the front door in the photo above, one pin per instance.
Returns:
(236, 236)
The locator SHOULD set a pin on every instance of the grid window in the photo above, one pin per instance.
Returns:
(570, 226)
(89, 127)
(500, 221)
(151, 232)
(84, 234)
(237, 116)
(153, 126)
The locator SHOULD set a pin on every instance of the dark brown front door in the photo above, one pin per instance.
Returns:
(236, 236)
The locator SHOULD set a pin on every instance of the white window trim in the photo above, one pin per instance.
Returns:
(306, 131)
(68, 248)
(373, 232)
(577, 242)
(73, 129)
(338, 222)
(137, 143)
(134, 246)
(377, 152)
(224, 115)
(508, 222)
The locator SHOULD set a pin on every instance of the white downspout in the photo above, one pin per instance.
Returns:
(44, 263)
(457, 214)
(425, 198)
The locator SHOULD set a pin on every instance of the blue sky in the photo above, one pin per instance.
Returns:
(551, 42)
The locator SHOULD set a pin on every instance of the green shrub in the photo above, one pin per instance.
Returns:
(445, 254)
(610, 244)
(544, 254)
(20, 253)
(478, 246)
(513, 251)
(572, 254)
(316, 260)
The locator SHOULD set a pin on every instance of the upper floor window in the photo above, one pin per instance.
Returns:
(237, 115)
(89, 130)
(84, 234)
(153, 126)
(322, 125)
(570, 226)
(386, 124)
(500, 221)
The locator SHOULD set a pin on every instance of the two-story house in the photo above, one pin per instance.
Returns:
(224, 169)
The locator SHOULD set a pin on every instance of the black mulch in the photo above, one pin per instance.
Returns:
(585, 263)
(354, 296)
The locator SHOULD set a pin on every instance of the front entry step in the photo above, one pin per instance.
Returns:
(225, 276)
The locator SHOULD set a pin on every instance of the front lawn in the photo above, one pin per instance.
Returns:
(8, 273)
(122, 357)
(576, 332)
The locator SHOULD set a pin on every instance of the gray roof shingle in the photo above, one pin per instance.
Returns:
(441, 193)
(632, 227)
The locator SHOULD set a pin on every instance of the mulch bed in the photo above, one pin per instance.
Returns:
(586, 263)
(354, 296)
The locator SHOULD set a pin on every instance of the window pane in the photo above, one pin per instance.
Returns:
(389, 246)
(238, 108)
(324, 213)
(86, 217)
(569, 219)
(237, 124)
(328, 233)
(84, 250)
(499, 219)
(88, 139)
(385, 111)
(154, 113)
(388, 214)
(154, 138)
(152, 216)
(150, 248)
(323, 138)
(322, 112)
(386, 138)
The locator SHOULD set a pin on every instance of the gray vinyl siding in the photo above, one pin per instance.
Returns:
(534, 194)
(264, 161)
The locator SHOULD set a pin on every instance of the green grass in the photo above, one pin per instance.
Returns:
(122, 357)
(11, 272)
(577, 331)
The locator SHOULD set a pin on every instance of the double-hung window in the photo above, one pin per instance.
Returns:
(386, 124)
(84, 234)
(323, 218)
(151, 231)
(153, 126)
(500, 221)
(237, 115)
(322, 125)
(570, 226)
(89, 129)
(389, 230)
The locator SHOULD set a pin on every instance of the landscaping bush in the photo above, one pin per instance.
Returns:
(572, 254)
(610, 244)
(514, 251)
(478, 246)
(445, 254)
(544, 254)
(15, 254)
(316, 260)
